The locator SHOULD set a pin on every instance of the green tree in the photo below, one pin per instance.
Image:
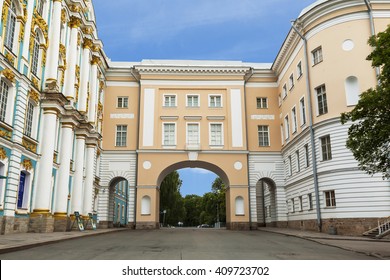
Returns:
(192, 205)
(369, 135)
(171, 200)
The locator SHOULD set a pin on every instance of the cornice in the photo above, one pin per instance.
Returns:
(161, 70)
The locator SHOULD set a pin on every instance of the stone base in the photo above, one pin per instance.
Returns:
(238, 226)
(11, 225)
(147, 225)
(253, 226)
(352, 226)
(102, 224)
(130, 225)
(61, 224)
(41, 223)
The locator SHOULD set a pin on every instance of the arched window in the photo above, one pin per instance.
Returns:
(23, 190)
(40, 5)
(145, 205)
(352, 90)
(4, 90)
(7, 100)
(240, 206)
(35, 56)
(11, 26)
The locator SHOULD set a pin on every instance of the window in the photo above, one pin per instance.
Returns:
(240, 206)
(121, 136)
(192, 100)
(289, 166)
(146, 205)
(294, 119)
(215, 101)
(170, 100)
(280, 99)
(29, 118)
(293, 204)
(291, 81)
(306, 148)
(321, 98)
(193, 134)
(23, 190)
(317, 55)
(10, 28)
(352, 90)
(326, 148)
(216, 137)
(4, 89)
(300, 203)
(262, 102)
(35, 56)
(40, 4)
(330, 199)
(282, 133)
(310, 198)
(169, 134)
(263, 131)
(284, 91)
(123, 102)
(286, 128)
(299, 70)
(297, 160)
(303, 111)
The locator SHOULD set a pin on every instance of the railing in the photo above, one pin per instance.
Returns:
(385, 226)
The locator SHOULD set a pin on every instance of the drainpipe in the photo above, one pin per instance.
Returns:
(247, 157)
(372, 26)
(137, 143)
(311, 129)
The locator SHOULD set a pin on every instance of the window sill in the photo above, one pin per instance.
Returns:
(122, 108)
(330, 207)
(300, 76)
(314, 64)
(216, 147)
(169, 107)
(240, 215)
(169, 147)
(192, 107)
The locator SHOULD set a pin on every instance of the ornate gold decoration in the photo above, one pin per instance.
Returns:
(41, 23)
(101, 86)
(74, 22)
(26, 163)
(3, 154)
(87, 30)
(8, 74)
(5, 134)
(96, 48)
(5, 13)
(62, 50)
(78, 39)
(35, 83)
(63, 16)
(55, 157)
(75, 8)
(44, 57)
(95, 60)
(100, 109)
(87, 44)
(34, 95)
(10, 58)
(29, 145)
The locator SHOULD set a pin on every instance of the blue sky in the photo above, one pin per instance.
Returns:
(245, 30)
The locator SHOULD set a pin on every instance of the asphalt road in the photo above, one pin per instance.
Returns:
(186, 244)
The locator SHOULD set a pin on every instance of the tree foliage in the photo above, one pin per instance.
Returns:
(171, 200)
(369, 134)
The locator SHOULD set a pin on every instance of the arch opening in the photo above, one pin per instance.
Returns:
(118, 202)
(265, 202)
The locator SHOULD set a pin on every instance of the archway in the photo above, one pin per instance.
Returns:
(118, 202)
(265, 202)
(224, 166)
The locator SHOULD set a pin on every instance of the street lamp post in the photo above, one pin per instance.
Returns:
(165, 211)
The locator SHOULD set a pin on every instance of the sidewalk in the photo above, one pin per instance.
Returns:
(21, 241)
(379, 248)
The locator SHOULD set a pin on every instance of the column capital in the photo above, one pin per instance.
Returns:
(57, 1)
(95, 60)
(74, 22)
(87, 44)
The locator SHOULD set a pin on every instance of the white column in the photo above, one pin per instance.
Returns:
(89, 178)
(84, 76)
(77, 190)
(54, 41)
(94, 89)
(1, 5)
(27, 29)
(61, 199)
(42, 193)
(70, 73)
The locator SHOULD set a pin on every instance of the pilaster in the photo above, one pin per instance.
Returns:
(89, 178)
(84, 76)
(77, 189)
(94, 90)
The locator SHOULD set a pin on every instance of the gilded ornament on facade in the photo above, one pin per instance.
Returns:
(100, 109)
(62, 50)
(87, 44)
(96, 48)
(87, 30)
(74, 22)
(5, 13)
(30, 146)
(8, 74)
(10, 58)
(101, 86)
(34, 95)
(95, 60)
(5, 134)
(77, 72)
(55, 156)
(27, 164)
(78, 39)
(3, 154)
(75, 8)
(63, 16)
(35, 82)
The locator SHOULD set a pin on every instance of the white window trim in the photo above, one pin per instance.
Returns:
(116, 134)
(163, 136)
(5, 163)
(312, 55)
(291, 82)
(27, 192)
(324, 197)
(286, 127)
(117, 101)
(299, 74)
(169, 94)
(222, 134)
(301, 113)
(209, 100)
(198, 123)
(187, 105)
(284, 91)
(9, 111)
(266, 102)
(269, 136)
(294, 121)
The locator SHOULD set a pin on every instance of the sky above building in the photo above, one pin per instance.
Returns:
(245, 30)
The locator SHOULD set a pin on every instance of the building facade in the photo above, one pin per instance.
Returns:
(272, 132)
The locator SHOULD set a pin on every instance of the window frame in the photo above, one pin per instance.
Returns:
(322, 102)
(10, 31)
(29, 118)
(294, 120)
(4, 99)
(302, 111)
(263, 137)
(164, 144)
(124, 103)
(317, 55)
(298, 161)
(284, 91)
(299, 70)
(307, 159)
(330, 199)
(187, 133)
(35, 56)
(188, 105)
(286, 128)
(170, 96)
(326, 148)
(116, 135)
(215, 96)
(222, 143)
(291, 83)
(260, 101)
